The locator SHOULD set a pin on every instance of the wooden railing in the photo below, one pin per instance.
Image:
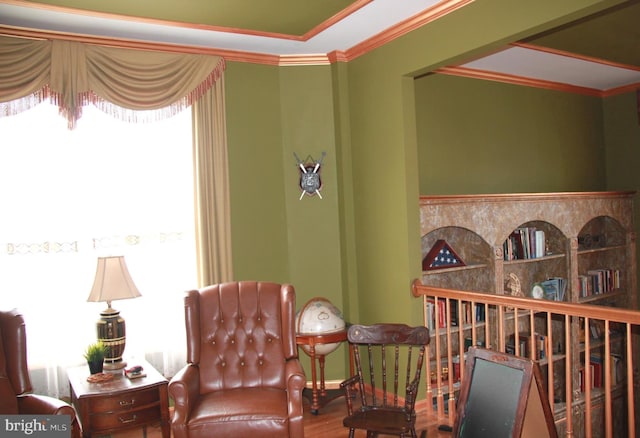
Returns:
(585, 352)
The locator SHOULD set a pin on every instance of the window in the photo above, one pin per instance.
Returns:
(105, 188)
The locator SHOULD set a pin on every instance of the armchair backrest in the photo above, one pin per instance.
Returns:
(240, 334)
(14, 372)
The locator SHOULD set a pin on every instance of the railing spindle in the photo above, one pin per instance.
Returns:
(587, 349)
(497, 328)
(631, 425)
(607, 394)
(549, 350)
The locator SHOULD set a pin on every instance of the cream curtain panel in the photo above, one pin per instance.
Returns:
(212, 188)
(135, 85)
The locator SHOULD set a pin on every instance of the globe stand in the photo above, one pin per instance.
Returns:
(320, 397)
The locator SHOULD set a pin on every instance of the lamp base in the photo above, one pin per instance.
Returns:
(114, 366)
(111, 330)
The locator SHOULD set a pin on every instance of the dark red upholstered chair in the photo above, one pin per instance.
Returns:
(388, 359)
(243, 377)
(16, 396)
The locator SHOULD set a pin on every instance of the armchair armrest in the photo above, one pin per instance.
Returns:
(349, 388)
(412, 393)
(349, 382)
(43, 405)
(296, 381)
(184, 388)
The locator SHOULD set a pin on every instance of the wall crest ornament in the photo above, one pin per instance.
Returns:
(310, 180)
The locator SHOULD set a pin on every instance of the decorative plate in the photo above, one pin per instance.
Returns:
(537, 291)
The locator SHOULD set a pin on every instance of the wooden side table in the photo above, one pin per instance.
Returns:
(320, 397)
(120, 403)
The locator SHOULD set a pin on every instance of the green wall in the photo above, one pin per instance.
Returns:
(386, 173)
(259, 222)
(273, 113)
(622, 136)
(477, 136)
(360, 245)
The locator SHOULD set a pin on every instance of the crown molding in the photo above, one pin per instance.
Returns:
(493, 70)
(399, 29)
(516, 80)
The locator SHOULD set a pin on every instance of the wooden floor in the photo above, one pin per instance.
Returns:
(327, 424)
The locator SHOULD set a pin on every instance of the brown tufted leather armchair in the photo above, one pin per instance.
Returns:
(15, 386)
(243, 377)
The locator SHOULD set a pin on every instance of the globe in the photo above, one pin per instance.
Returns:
(318, 316)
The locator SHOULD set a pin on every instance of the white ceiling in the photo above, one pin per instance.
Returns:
(541, 65)
(372, 19)
(364, 23)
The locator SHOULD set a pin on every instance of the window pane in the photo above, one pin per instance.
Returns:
(105, 188)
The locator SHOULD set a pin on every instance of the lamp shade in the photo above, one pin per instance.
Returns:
(112, 281)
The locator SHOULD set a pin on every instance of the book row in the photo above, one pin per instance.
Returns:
(596, 374)
(437, 313)
(598, 281)
(524, 243)
(525, 345)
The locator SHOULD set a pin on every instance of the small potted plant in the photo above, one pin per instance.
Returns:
(94, 354)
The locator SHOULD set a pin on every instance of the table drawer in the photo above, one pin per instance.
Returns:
(123, 402)
(124, 419)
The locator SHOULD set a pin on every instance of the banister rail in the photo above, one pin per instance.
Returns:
(571, 309)
(586, 352)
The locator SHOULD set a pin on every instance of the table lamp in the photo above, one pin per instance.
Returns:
(112, 282)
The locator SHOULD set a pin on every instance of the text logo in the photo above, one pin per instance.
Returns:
(35, 426)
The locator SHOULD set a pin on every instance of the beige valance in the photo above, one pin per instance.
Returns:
(133, 85)
(136, 85)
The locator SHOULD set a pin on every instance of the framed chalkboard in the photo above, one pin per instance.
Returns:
(502, 396)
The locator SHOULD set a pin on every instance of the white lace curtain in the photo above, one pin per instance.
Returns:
(136, 86)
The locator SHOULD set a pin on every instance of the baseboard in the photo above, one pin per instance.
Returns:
(328, 384)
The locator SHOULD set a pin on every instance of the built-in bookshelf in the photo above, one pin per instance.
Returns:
(585, 239)
(573, 247)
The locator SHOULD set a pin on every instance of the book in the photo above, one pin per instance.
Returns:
(617, 369)
(555, 288)
(135, 372)
(480, 312)
(442, 314)
(430, 315)
(541, 345)
(540, 243)
(453, 307)
(436, 314)
(582, 375)
(133, 376)
(515, 246)
(597, 374)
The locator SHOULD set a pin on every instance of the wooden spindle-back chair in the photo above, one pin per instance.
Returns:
(388, 359)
